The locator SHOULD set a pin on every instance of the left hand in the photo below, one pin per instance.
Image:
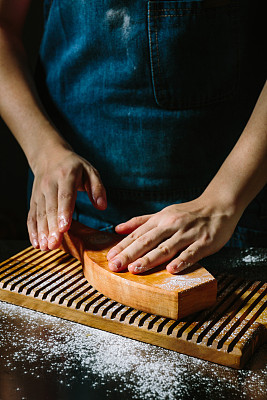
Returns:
(192, 230)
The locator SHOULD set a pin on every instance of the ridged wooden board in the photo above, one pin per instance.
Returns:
(53, 283)
(156, 291)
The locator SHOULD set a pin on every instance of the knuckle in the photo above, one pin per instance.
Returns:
(206, 239)
(31, 219)
(51, 211)
(145, 260)
(126, 259)
(68, 173)
(33, 205)
(65, 196)
(41, 215)
(165, 250)
(135, 220)
(118, 249)
(144, 241)
(47, 181)
(33, 200)
(190, 254)
(171, 221)
(133, 235)
(63, 172)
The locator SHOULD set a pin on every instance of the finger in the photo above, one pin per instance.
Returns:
(127, 227)
(66, 197)
(42, 225)
(114, 251)
(139, 247)
(54, 237)
(191, 255)
(95, 189)
(32, 226)
(162, 253)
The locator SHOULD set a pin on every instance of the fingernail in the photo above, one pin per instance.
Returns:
(35, 243)
(111, 254)
(43, 243)
(181, 266)
(115, 265)
(53, 238)
(100, 201)
(136, 266)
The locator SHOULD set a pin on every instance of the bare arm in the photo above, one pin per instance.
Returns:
(244, 172)
(58, 171)
(202, 226)
(19, 104)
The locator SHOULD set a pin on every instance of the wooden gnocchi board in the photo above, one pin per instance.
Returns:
(54, 283)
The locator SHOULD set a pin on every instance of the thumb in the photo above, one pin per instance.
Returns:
(95, 189)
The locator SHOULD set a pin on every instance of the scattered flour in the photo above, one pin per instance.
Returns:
(71, 354)
(252, 258)
(179, 282)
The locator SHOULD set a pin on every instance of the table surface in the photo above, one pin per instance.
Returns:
(44, 357)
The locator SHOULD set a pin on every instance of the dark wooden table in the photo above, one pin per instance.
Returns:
(44, 357)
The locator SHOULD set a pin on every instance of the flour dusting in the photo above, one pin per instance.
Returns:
(179, 282)
(64, 351)
(252, 258)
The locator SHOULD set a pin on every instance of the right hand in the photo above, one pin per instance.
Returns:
(57, 178)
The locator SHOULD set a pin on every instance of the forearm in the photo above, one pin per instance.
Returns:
(20, 106)
(244, 172)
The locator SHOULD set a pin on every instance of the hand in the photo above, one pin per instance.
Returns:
(57, 179)
(192, 230)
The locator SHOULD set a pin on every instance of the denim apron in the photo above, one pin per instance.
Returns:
(155, 95)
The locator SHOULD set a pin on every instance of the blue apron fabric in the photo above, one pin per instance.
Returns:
(154, 94)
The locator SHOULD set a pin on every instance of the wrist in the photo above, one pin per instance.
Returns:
(224, 200)
(52, 148)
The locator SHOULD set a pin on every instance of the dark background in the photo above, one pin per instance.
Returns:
(13, 164)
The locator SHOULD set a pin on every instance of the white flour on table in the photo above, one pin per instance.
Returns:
(40, 343)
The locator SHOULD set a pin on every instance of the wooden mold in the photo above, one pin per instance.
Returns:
(53, 282)
(157, 291)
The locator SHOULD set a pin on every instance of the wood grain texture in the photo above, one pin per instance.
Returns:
(227, 333)
(156, 291)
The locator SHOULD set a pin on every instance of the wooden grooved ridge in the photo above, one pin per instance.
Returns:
(54, 283)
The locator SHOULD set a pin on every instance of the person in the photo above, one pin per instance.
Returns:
(166, 101)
